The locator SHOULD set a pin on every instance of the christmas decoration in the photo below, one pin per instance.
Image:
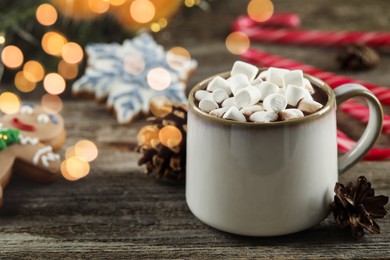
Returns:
(163, 144)
(357, 57)
(129, 75)
(8, 137)
(356, 207)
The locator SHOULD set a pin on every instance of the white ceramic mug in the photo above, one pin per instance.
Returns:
(267, 179)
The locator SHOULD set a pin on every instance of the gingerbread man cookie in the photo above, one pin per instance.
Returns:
(27, 142)
(33, 122)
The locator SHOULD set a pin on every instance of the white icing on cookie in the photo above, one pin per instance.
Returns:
(41, 152)
(43, 118)
(28, 140)
(49, 157)
(27, 110)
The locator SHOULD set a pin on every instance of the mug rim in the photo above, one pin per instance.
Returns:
(327, 108)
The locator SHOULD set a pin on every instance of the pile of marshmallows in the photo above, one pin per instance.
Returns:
(274, 95)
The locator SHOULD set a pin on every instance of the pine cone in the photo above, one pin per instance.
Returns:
(355, 207)
(163, 144)
(357, 57)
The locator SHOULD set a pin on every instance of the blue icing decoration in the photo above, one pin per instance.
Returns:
(53, 118)
(119, 74)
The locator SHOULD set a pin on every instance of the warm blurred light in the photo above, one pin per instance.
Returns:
(53, 42)
(54, 84)
(46, 14)
(86, 150)
(155, 27)
(163, 22)
(117, 2)
(160, 106)
(178, 58)
(65, 173)
(23, 84)
(142, 11)
(2, 39)
(147, 134)
(189, 3)
(12, 57)
(70, 152)
(75, 168)
(72, 53)
(134, 64)
(237, 42)
(260, 10)
(9, 103)
(51, 103)
(98, 6)
(170, 136)
(33, 71)
(159, 78)
(67, 70)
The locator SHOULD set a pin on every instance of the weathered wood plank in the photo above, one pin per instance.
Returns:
(119, 212)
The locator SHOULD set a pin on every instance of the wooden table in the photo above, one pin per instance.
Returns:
(118, 212)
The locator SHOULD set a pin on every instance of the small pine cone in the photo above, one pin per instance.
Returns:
(357, 57)
(355, 207)
(163, 143)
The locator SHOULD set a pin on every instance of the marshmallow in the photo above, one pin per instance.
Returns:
(263, 117)
(247, 96)
(291, 113)
(237, 82)
(219, 112)
(309, 106)
(234, 114)
(247, 111)
(257, 81)
(293, 77)
(247, 69)
(229, 102)
(307, 85)
(207, 105)
(219, 95)
(263, 75)
(267, 88)
(219, 82)
(202, 94)
(275, 76)
(275, 103)
(294, 94)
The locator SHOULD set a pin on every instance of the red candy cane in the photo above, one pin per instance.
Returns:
(318, 38)
(287, 20)
(344, 144)
(268, 60)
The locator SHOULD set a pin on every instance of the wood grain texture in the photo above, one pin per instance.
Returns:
(118, 212)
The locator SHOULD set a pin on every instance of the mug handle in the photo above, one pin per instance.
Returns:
(374, 125)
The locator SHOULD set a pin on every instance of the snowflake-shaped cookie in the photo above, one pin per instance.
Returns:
(118, 74)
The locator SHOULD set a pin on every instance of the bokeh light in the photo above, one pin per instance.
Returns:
(12, 57)
(72, 53)
(178, 58)
(74, 168)
(9, 103)
(191, 3)
(159, 78)
(67, 70)
(33, 71)
(51, 103)
(142, 11)
(86, 150)
(22, 83)
(160, 106)
(46, 14)
(70, 152)
(117, 2)
(2, 38)
(53, 42)
(170, 136)
(54, 84)
(98, 6)
(237, 42)
(147, 134)
(260, 10)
